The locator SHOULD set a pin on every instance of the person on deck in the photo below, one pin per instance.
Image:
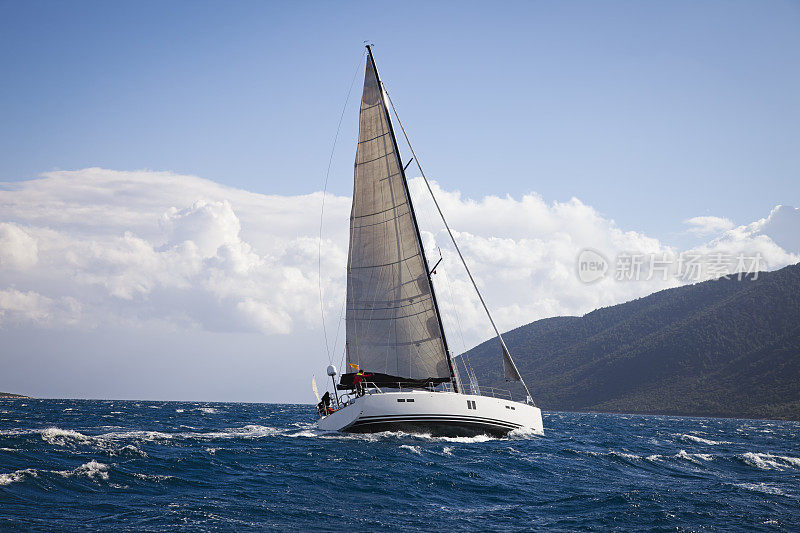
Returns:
(358, 382)
(324, 406)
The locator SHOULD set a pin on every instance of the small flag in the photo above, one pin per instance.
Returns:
(353, 365)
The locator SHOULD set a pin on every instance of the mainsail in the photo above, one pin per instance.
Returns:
(393, 323)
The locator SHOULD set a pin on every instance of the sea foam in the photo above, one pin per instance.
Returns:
(65, 437)
(768, 461)
(94, 470)
(688, 437)
(17, 476)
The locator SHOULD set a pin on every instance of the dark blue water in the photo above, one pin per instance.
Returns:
(149, 466)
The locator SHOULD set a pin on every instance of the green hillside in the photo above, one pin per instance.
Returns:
(719, 348)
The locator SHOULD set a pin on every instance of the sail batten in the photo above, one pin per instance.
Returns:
(393, 325)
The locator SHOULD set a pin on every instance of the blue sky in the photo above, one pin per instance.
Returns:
(674, 124)
(696, 104)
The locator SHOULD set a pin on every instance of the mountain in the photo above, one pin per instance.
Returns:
(725, 347)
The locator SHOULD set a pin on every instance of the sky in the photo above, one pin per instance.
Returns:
(161, 169)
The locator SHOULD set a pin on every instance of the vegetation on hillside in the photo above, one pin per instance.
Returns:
(726, 347)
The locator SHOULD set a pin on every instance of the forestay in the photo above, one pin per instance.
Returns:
(393, 325)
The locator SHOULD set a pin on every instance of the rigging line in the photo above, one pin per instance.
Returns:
(455, 244)
(464, 356)
(338, 329)
(322, 211)
(444, 273)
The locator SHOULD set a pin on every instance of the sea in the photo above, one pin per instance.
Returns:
(94, 465)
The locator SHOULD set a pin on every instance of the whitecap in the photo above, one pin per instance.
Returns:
(694, 438)
(130, 449)
(693, 457)
(17, 476)
(93, 470)
(250, 431)
(768, 461)
(447, 450)
(609, 453)
(414, 449)
(623, 455)
(64, 437)
(149, 436)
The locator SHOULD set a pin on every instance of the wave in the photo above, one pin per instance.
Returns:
(682, 455)
(109, 441)
(693, 457)
(129, 450)
(17, 476)
(250, 431)
(609, 453)
(764, 488)
(688, 437)
(65, 437)
(143, 435)
(768, 461)
(414, 449)
(71, 438)
(153, 477)
(93, 470)
(310, 433)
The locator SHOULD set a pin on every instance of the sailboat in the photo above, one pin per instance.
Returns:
(401, 373)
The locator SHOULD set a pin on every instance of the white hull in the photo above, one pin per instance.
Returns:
(436, 413)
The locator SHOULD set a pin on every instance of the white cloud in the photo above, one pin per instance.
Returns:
(18, 250)
(782, 226)
(18, 307)
(96, 247)
(154, 247)
(766, 244)
(709, 225)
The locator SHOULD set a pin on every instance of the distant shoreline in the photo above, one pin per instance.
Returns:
(10, 395)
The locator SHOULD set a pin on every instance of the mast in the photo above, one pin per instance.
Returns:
(454, 379)
(509, 367)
